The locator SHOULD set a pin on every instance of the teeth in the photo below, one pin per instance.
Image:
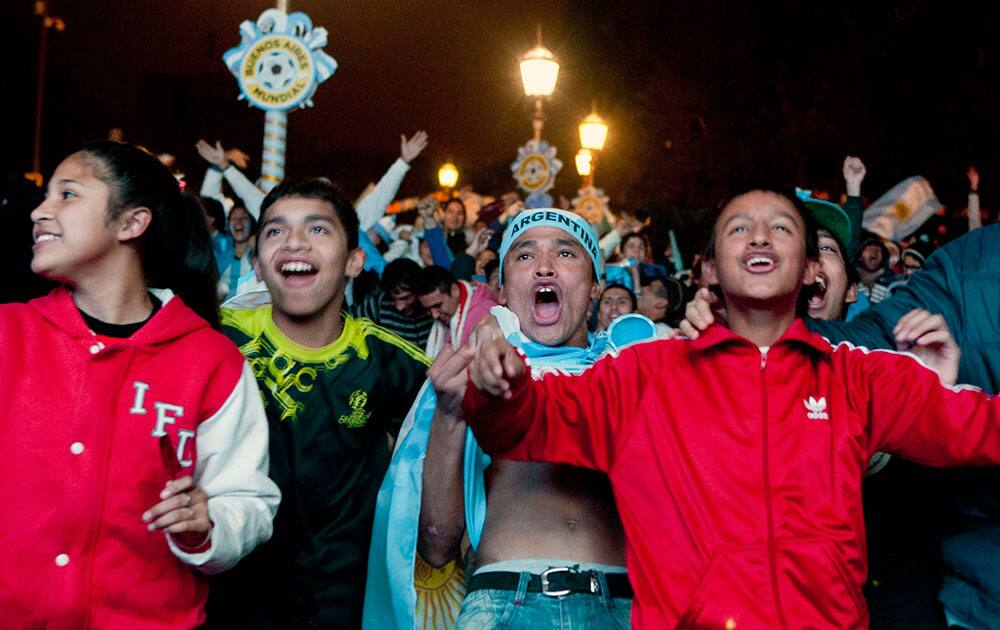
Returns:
(821, 282)
(46, 237)
(759, 260)
(296, 267)
(546, 290)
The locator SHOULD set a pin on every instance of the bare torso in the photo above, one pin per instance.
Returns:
(550, 511)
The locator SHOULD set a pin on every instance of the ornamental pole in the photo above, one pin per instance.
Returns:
(278, 66)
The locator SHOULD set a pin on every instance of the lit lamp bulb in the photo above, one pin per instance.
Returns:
(539, 71)
(584, 162)
(593, 132)
(448, 175)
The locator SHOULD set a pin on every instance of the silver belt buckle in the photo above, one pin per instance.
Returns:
(545, 582)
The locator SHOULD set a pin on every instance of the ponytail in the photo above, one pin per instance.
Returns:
(197, 277)
(176, 249)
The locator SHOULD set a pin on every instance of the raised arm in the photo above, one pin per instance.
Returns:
(372, 206)
(226, 162)
(433, 233)
(244, 188)
(975, 218)
(854, 174)
(211, 185)
(915, 414)
(442, 505)
(624, 225)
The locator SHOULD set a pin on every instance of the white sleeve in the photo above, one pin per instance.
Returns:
(211, 184)
(610, 241)
(232, 470)
(211, 187)
(245, 189)
(372, 207)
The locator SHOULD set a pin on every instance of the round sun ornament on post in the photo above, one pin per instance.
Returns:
(535, 172)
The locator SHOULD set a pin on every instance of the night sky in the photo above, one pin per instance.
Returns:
(699, 95)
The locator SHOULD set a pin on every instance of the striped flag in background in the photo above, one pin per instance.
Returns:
(899, 212)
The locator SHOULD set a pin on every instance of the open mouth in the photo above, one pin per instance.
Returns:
(546, 309)
(817, 293)
(759, 262)
(297, 271)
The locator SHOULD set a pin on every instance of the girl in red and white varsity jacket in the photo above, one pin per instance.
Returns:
(133, 441)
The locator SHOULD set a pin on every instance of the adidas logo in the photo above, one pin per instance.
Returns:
(816, 408)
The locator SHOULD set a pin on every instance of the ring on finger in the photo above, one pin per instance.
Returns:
(189, 500)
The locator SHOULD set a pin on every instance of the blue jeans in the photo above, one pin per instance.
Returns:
(495, 608)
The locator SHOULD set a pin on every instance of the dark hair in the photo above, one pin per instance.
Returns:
(631, 295)
(365, 284)
(251, 230)
(452, 200)
(811, 227)
(491, 265)
(176, 249)
(401, 273)
(811, 233)
(216, 213)
(192, 203)
(433, 278)
(313, 188)
(671, 290)
(407, 217)
(878, 242)
(631, 235)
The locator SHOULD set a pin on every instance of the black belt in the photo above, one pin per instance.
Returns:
(554, 582)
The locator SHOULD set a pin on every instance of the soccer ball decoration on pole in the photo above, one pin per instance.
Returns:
(591, 204)
(278, 65)
(535, 171)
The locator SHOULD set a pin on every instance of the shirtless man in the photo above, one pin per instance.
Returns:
(552, 542)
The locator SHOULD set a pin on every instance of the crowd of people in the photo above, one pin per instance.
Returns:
(250, 408)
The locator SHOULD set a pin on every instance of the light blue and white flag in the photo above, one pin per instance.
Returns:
(899, 212)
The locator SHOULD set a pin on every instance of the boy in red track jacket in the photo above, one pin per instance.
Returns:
(736, 459)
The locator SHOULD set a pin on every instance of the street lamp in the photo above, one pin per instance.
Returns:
(539, 71)
(593, 131)
(47, 22)
(448, 176)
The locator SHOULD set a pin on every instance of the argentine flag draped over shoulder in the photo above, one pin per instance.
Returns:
(390, 595)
